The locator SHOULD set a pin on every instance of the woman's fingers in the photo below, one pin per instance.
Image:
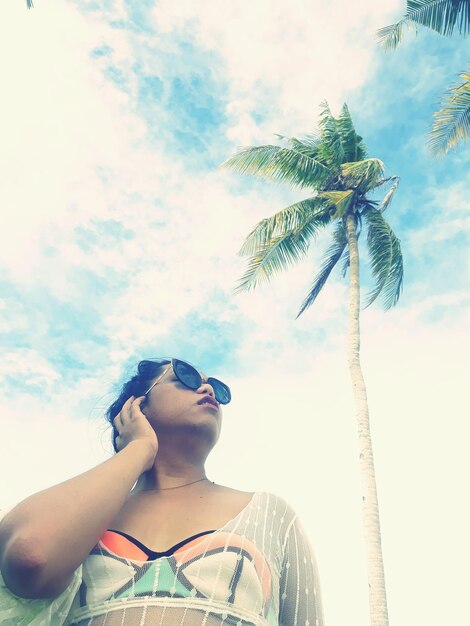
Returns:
(131, 424)
(130, 411)
(126, 409)
(118, 422)
(123, 413)
(135, 409)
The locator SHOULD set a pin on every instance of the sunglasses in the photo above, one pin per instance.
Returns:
(191, 378)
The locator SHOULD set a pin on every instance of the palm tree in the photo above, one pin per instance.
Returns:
(334, 166)
(452, 120)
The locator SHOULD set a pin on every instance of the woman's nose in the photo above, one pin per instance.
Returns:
(207, 388)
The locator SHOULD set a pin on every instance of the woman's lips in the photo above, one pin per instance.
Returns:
(210, 401)
(210, 405)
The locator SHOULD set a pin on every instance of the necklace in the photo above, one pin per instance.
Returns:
(179, 486)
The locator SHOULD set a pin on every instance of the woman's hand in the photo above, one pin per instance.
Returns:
(132, 425)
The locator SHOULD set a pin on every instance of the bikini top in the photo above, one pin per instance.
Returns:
(202, 572)
(127, 546)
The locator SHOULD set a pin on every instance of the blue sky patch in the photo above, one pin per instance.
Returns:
(102, 234)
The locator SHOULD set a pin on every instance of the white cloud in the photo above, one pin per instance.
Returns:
(281, 59)
(28, 368)
(448, 213)
(53, 447)
(60, 119)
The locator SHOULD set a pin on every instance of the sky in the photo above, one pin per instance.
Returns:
(119, 241)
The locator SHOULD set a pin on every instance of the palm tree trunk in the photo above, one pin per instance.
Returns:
(370, 508)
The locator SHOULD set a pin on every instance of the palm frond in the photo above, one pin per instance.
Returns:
(389, 37)
(441, 16)
(307, 144)
(280, 253)
(294, 143)
(288, 219)
(386, 259)
(340, 200)
(363, 174)
(382, 181)
(353, 145)
(330, 149)
(331, 258)
(389, 195)
(325, 114)
(279, 164)
(452, 121)
(29, 4)
(311, 139)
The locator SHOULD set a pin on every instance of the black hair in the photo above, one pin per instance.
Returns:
(137, 386)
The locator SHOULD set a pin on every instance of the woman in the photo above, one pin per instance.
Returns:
(145, 538)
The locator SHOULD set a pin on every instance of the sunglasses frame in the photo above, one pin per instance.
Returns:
(208, 380)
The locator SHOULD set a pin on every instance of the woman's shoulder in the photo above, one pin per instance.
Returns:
(267, 496)
(267, 501)
(277, 504)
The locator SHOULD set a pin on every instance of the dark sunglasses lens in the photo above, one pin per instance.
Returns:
(221, 391)
(187, 374)
(190, 377)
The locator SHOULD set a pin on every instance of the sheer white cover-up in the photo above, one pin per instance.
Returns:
(259, 569)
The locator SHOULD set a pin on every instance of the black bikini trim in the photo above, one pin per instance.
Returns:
(152, 553)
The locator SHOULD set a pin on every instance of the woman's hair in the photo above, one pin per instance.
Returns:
(137, 386)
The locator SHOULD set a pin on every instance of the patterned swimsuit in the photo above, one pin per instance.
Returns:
(257, 570)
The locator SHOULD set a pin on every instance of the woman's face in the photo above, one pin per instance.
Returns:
(170, 406)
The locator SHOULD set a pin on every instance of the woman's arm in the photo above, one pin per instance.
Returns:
(46, 537)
